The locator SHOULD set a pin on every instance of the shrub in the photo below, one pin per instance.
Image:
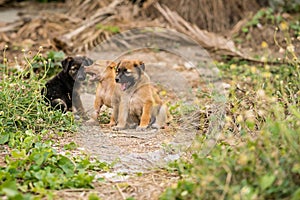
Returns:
(32, 166)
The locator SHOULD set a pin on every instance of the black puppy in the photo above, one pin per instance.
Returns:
(61, 89)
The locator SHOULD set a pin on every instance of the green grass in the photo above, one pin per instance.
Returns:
(33, 167)
(257, 156)
(108, 28)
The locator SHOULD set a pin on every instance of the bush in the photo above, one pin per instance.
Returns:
(22, 108)
(285, 5)
(33, 166)
(258, 155)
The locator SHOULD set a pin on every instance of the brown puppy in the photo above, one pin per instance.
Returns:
(138, 102)
(105, 90)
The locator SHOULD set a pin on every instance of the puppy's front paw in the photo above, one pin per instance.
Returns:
(82, 115)
(111, 124)
(92, 121)
(133, 126)
(118, 128)
(155, 126)
(95, 115)
(141, 128)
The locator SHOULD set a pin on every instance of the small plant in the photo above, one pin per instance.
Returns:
(32, 166)
(258, 155)
(104, 117)
(52, 60)
(265, 15)
(295, 26)
(111, 29)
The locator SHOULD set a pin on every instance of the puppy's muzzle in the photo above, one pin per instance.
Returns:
(81, 74)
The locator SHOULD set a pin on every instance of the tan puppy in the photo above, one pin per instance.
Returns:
(137, 102)
(106, 87)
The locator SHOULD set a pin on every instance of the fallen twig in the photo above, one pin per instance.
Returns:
(120, 192)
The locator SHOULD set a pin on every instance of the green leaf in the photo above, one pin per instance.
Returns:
(296, 168)
(93, 196)
(245, 29)
(4, 137)
(9, 188)
(112, 29)
(28, 141)
(37, 157)
(266, 181)
(19, 154)
(296, 194)
(70, 146)
(66, 165)
(56, 55)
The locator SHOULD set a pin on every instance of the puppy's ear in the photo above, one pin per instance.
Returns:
(87, 61)
(112, 65)
(118, 65)
(142, 65)
(66, 63)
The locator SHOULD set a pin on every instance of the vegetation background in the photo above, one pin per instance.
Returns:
(257, 156)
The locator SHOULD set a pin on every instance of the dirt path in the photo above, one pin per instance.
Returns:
(187, 79)
(139, 156)
(142, 151)
(138, 186)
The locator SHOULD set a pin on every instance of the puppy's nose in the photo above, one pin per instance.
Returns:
(117, 80)
(81, 77)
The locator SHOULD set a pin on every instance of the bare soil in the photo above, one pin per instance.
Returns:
(143, 151)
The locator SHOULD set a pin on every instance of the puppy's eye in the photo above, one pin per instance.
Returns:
(127, 72)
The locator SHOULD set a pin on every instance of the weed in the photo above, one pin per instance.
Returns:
(258, 154)
(262, 16)
(53, 60)
(111, 29)
(264, 121)
(295, 26)
(104, 117)
(33, 166)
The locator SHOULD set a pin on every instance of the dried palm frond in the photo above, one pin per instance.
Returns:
(207, 39)
(86, 22)
(85, 35)
(85, 8)
(218, 16)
